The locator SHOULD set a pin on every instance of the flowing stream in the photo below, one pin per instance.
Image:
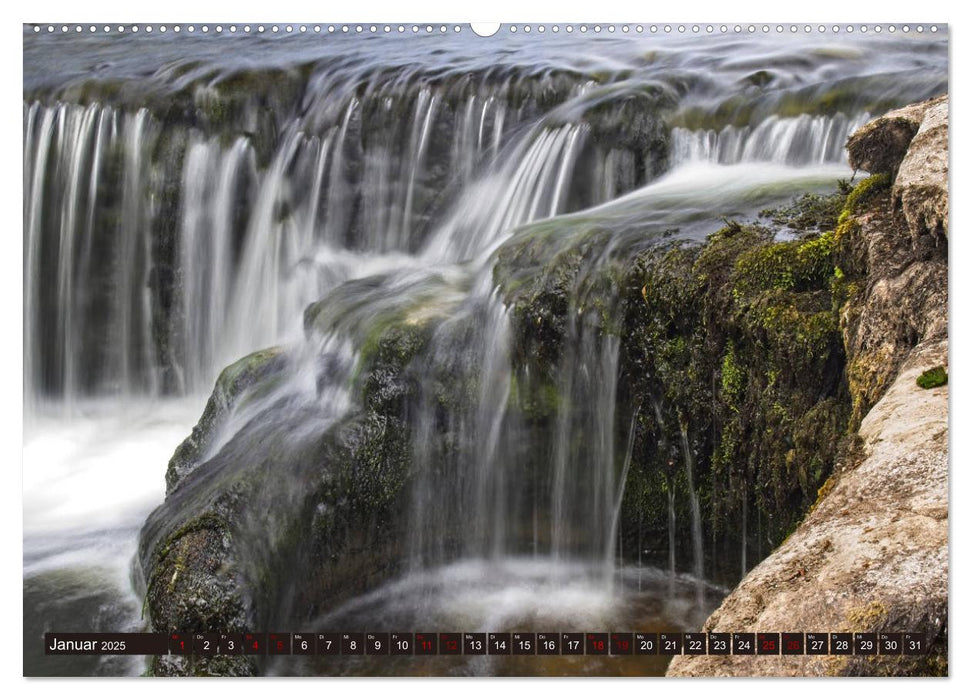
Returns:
(187, 198)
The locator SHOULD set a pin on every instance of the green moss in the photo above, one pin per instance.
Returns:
(732, 376)
(934, 377)
(752, 103)
(537, 399)
(788, 266)
(738, 340)
(846, 228)
(864, 192)
(245, 369)
(393, 341)
(736, 111)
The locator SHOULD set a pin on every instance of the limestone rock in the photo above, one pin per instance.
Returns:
(921, 184)
(905, 302)
(880, 145)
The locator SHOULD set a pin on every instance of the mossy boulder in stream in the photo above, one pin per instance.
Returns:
(288, 513)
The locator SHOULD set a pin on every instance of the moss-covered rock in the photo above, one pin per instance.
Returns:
(809, 212)
(863, 193)
(871, 555)
(290, 514)
(730, 349)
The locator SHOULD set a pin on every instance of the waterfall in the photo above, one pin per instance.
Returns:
(583, 497)
(530, 185)
(615, 523)
(696, 536)
(91, 328)
(210, 181)
(802, 140)
(175, 251)
(184, 208)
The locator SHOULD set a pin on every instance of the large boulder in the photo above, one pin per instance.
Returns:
(274, 507)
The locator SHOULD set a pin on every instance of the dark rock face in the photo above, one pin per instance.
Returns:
(872, 556)
(731, 362)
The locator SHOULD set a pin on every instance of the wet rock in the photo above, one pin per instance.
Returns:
(290, 514)
(233, 381)
(194, 585)
(714, 339)
(871, 557)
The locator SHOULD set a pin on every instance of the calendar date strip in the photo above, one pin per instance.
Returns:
(488, 644)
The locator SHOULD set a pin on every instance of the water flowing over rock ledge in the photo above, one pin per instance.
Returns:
(872, 555)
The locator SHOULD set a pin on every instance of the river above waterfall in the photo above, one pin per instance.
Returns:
(189, 200)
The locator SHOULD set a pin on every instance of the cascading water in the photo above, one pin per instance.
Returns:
(802, 140)
(218, 207)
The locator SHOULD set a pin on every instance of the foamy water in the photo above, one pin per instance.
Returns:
(90, 480)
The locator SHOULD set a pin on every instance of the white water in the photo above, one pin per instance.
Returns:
(91, 477)
(89, 483)
(802, 140)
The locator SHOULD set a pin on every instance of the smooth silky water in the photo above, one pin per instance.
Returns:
(384, 187)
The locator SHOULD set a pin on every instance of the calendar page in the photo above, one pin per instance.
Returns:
(536, 349)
